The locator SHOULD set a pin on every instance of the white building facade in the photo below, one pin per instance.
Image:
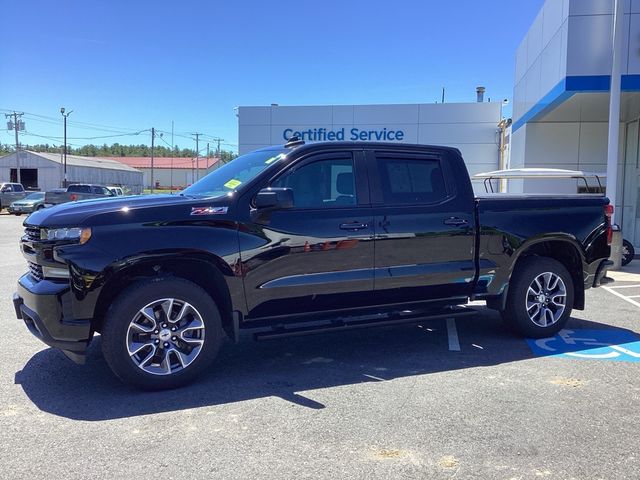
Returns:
(561, 99)
(45, 171)
(470, 127)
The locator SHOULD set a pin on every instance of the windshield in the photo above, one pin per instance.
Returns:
(35, 196)
(235, 173)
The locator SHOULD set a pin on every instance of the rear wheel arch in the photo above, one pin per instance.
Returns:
(204, 272)
(568, 253)
(565, 250)
(540, 298)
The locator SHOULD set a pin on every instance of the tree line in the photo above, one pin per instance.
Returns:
(118, 150)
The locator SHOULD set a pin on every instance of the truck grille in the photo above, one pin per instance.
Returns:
(32, 233)
(36, 271)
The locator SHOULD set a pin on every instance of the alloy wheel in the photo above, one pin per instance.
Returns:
(165, 336)
(546, 299)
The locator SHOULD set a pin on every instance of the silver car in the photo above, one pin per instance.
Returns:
(32, 202)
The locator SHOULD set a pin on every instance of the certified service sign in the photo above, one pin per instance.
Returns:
(341, 134)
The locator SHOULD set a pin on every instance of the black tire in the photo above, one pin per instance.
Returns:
(517, 316)
(628, 252)
(116, 331)
(17, 214)
(40, 207)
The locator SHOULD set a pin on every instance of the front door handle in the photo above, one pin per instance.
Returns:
(353, 226)
(455, 221)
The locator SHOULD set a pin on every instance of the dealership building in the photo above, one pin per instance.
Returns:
(563, 74)
(471, 127)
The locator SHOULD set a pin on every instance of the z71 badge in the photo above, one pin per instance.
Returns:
(209, 210)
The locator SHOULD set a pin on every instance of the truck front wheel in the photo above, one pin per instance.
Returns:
(540, 297)
(161, 333)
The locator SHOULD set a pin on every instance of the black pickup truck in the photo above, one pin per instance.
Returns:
(297, 239)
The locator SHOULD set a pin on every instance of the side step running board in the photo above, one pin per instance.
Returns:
(352, 323)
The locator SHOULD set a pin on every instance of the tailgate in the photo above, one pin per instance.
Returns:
(54, 198)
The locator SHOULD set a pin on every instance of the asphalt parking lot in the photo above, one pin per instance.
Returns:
(442, 399)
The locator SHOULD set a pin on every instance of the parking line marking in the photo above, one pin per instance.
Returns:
(627, 299)
(452, 331)
(373, 377)
(633, 296)
(626, 286)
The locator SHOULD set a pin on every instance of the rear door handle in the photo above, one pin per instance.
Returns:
(353, 226)
(455, 221)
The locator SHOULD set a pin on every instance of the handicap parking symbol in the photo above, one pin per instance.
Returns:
(611, 344)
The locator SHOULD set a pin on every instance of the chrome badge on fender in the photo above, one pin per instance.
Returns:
(209, 210)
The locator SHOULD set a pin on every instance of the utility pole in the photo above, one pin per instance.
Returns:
(218, 140)
(65, 181)
(197, 155)
(207, 162)
(153, 142)
(16, 125)
(172, 154)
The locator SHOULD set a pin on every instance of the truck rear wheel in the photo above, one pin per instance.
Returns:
(540, 297)
(161, 333)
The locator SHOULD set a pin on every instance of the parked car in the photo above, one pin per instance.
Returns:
(296, 239)
(32, 202)
(77, 191)
(117, 191)
(10, 192)
(628, 252)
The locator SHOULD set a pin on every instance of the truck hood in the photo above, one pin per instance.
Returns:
(78, 213)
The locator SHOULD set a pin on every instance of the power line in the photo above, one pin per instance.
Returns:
(76, 123)
(50, 138)
(94, 138)
(116, 131)
(82, 127)
(163, 140)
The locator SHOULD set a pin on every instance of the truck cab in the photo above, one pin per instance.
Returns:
(11, 192)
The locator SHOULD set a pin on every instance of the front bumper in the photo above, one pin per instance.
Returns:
(45, 308)
(20, 208)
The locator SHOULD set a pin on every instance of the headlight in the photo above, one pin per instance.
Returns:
(50, 272)
(76, 233)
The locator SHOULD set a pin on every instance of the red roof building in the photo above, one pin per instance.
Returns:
(171, 172)
(168, 162)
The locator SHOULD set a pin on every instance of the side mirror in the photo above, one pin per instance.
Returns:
(274, 198)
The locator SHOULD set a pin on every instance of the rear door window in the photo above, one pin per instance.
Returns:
(411, 181)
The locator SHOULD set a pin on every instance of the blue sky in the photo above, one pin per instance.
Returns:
(134, 65)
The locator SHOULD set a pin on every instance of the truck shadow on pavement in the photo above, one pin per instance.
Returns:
(277, 368)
